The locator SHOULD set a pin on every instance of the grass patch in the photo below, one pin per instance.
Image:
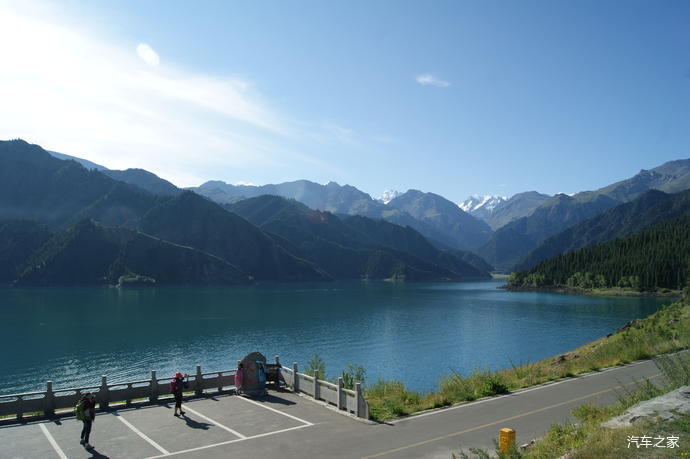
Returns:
(665, 331)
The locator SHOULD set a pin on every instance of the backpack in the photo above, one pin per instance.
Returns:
(79, 411)
(173, 386)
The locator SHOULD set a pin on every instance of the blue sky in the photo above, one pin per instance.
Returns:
(451, 97)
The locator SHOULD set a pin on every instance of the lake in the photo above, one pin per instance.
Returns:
(413, 332)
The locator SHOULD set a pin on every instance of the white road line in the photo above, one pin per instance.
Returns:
(276, 411)
(234, 432)
(141, 434)
(52, 442)
(229, 442)
(518, 392)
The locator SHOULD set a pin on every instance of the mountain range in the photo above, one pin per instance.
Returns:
(352, 246)
(515, 240)
(437, 218)
(647, 210)
(508, 233)
(53, 211)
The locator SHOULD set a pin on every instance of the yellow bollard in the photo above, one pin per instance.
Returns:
(506, 439)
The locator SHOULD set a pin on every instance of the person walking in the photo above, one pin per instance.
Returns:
(177, 385)
(239, 378)
(88, 414)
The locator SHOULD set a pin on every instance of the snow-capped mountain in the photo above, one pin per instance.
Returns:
(485, 204)
(388, 196)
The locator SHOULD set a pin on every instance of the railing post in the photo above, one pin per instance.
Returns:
(20, 408)
(362, 407)
(199, 389)
(153, 387)
(104, 393)
(340, 393)
(278, 361)
(220, 385)
(295, 377)
(317, 387)
(129, 396)
(50, 400)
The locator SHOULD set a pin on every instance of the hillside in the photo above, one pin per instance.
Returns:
(518, 206)
(515, 240)
(439, 220)
(654, 259)
(91, 254)
(647, 210)
(36, 186)
(459, 229)
(145, 180)
(19, 239)
(352, 247)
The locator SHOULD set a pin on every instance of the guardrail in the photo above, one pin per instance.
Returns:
(352, 401)
(14, 407)
(51, 400)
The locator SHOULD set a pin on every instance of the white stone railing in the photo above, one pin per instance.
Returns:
(14, 407)
(352, 401)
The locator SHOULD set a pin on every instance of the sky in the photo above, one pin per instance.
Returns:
(451, 97)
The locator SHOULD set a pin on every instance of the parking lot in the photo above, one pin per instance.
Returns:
(211, 426)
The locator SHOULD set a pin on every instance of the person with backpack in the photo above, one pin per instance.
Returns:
(177, 385)
(239, 378)
(86, 413)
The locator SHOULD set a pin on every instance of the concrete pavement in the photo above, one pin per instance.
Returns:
(286, 425)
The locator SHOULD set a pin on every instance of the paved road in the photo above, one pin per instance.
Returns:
(286, 425)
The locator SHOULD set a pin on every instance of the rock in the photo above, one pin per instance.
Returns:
(666, 407)
(628, 325)
(527, 445)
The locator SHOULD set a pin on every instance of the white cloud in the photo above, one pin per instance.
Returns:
(74, 91)
(148, 55)
(428, 79)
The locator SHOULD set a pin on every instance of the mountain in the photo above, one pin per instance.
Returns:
(458, 229)
(656, 258)
(36, 186)
(352, 247)
(19, 239)
(144, 179)
(481, 206)
(650, 208)
(388, 195)
(84, 162)
(407, 239)
(513, 241)
(331, 197)
(192, 220)
(90, 254)
(139, 177)
(518, 206)
(58, 193)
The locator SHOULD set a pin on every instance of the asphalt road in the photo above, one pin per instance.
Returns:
(287, 425)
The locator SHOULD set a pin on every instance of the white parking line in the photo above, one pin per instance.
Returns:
(230, 442)
(141, 434)
(276, 411)
(52, 442)
(234, 432)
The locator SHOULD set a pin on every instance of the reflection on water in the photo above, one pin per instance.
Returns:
(411, 332)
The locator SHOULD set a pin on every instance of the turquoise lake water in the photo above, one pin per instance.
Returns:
(412, 332)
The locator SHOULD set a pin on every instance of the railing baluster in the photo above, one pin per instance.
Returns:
(20, 408)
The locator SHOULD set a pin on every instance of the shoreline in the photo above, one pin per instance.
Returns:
(639, 339)
(612, 292)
